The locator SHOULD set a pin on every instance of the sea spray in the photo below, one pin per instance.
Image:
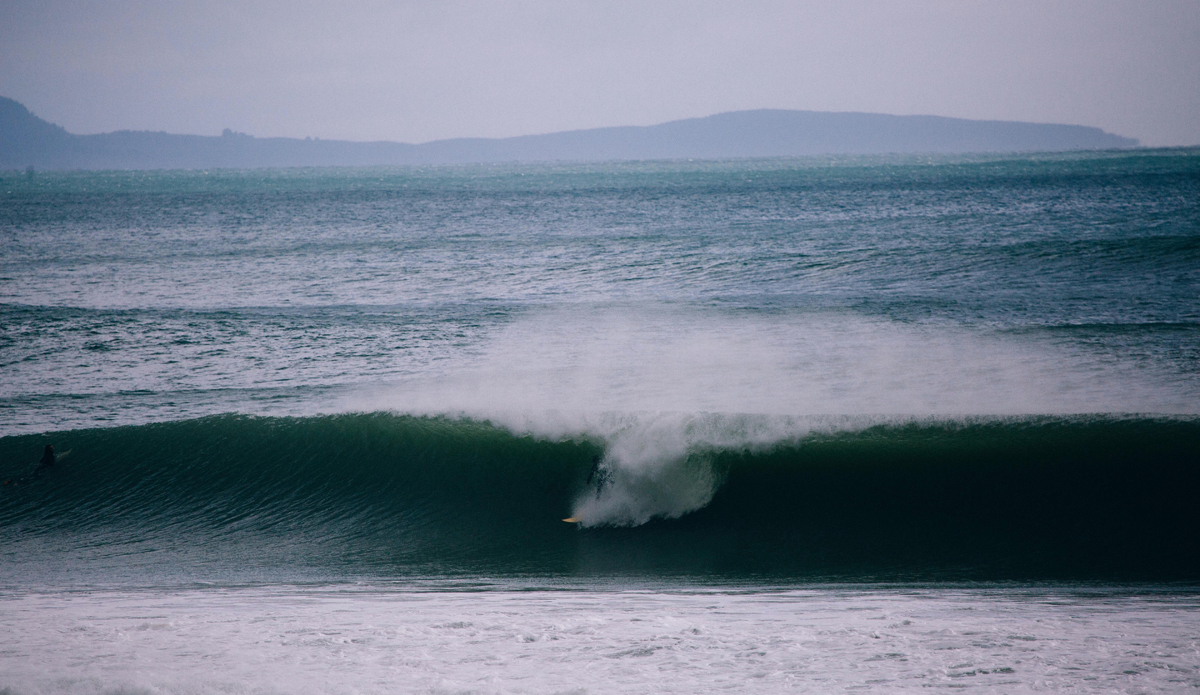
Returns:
(653, 357)
(663, 465)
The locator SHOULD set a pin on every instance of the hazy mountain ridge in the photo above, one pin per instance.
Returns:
(26, 140)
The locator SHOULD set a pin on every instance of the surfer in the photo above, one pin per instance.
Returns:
(598, 474)
(48, 459)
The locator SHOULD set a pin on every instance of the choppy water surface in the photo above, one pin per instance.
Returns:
(768, 373)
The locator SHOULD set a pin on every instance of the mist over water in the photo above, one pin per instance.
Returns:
(694, 359)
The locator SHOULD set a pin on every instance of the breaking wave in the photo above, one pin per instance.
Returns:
(656, 494)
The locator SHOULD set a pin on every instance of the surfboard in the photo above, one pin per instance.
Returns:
(573, 520)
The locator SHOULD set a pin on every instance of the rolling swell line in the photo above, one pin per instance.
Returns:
(1079, 497)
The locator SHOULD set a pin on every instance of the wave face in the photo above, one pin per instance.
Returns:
(356, 495)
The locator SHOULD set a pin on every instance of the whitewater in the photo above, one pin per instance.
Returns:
(873, 423)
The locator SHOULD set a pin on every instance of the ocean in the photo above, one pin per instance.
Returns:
(821, 424)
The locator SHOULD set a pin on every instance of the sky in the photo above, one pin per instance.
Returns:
(420, 70)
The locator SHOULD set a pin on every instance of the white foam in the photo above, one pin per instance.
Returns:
(363, 641)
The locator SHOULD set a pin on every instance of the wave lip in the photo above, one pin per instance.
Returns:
(384, 494)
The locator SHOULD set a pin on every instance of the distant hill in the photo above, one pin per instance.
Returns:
(26, 140)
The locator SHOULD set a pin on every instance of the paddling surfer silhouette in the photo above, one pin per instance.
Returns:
(48, 459)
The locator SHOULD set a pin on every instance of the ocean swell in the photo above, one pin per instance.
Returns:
(381, 493)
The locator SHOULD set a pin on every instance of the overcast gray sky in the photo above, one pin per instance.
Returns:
(421, 70)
